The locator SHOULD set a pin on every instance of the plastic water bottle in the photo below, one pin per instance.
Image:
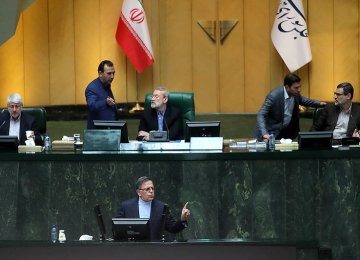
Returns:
(53, 233)
(271, 143)
(47, 143)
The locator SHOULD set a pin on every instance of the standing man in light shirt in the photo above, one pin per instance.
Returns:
(16, 123)
(342, 117)
(279, 114)
(146, 206)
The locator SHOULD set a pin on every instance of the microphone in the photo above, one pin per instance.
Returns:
(163, 221)
(100, 222)
(167, 128)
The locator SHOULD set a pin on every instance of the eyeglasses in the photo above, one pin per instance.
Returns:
(338, 94)
(148, 189)
(14, 106)
(155, 96)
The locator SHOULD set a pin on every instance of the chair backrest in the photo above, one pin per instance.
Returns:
(182, 100)
(39, 113)
(317, 113)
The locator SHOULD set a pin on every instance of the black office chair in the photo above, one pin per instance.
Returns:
(182, 100)
(39, 113)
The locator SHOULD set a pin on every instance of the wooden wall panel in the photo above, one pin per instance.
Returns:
(144, 80)
(12, 65)
(59, 44)
(277, 68)
(204, 58)
(321, 29)
(174, 60)
(36, 54)
(231, 59)
(257, 37)
(61, 52)
(346, 53)
(87, 44)
(110, 11)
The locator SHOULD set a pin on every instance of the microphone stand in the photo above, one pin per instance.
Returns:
(163, 221)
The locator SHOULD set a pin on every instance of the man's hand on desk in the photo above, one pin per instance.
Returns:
(144, 134)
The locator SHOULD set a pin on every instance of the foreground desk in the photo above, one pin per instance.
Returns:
(289, 196)
(192, 250)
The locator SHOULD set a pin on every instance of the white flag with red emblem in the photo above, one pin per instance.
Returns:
(132, 35)
(290, 35)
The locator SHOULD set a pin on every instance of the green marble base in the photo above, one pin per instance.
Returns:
(260, 196)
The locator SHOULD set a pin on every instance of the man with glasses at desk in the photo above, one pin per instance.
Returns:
(145, 206)
(342, 117)
(16, 123)
(161, 116)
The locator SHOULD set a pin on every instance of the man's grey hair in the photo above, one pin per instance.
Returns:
(164, 89)
(140, 181)
(14, 98)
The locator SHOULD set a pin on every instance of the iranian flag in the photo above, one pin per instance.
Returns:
(132, 35)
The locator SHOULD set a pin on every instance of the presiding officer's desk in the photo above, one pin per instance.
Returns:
(192, 250)
(284, 196)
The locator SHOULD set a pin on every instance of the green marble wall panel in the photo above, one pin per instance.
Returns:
(339, 206)
(33, 200)
(236, 196)
(285, 199)
(8, 199)
(302, 199)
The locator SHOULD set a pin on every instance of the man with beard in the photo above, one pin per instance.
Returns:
(99, 97)
(279, 115)
(161, 117)
(341, 117)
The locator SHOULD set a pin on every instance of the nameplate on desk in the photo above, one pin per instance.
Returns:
(206, 143)
(158, 136)
(101, 140)
(154, 146)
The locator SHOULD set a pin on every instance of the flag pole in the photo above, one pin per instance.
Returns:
(137, 106)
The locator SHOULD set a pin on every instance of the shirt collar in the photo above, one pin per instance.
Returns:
(17, 119)
(286, 95)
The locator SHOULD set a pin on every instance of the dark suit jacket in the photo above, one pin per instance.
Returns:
(270, 118)
(27, 122)
(173, 121)
(329, 116)
(96, 94)
(130, 209)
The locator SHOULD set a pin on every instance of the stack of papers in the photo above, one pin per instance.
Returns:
(61, 145)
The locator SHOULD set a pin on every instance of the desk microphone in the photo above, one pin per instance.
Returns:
(163, 221)
(167, 128)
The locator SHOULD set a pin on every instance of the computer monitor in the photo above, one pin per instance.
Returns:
(130, 229)
(108, 124)
(202, 129)
(316, 140)
(9, 142)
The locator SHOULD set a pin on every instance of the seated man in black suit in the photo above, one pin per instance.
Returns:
(16, 123)
(341, 117)
(145, 206)
(161, 117)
